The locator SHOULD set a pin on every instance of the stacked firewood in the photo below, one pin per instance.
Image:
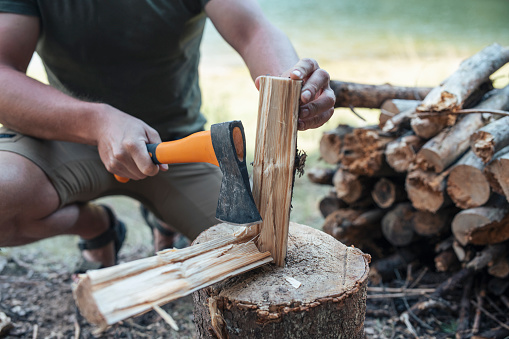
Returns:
(431, 181)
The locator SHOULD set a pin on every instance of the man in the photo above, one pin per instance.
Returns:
(122, 74)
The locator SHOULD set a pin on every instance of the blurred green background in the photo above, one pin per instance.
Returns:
(401, 42)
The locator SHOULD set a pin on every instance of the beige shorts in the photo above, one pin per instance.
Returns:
(185, 196)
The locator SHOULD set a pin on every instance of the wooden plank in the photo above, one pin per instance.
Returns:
(273, 168)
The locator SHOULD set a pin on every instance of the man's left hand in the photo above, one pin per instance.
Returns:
(317, 98)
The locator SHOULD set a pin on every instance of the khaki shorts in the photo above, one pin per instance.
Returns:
(185, 196)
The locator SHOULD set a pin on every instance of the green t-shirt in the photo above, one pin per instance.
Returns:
(140, 56)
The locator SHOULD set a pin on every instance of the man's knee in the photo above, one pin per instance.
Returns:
(25, 191)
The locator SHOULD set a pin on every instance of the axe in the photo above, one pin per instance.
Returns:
(224, 146)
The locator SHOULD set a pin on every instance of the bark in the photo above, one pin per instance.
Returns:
(331, 144)
(401, 152)
(467, 185)
(488, 224)
(274, 161)
(494, 136)
(446, 261)
(373, 96)
(264, 303)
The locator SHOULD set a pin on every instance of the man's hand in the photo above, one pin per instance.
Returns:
(121, 141)
(317, 98)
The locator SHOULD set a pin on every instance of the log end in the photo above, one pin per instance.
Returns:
(468, 187)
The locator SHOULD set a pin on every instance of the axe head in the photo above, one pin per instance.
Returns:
(235, 203)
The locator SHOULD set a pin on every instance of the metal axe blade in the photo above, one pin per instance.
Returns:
(235, 202)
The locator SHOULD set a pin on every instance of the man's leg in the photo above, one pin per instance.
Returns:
(29, 210)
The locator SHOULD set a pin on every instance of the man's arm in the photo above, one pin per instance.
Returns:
(33, 108)
(267, 50)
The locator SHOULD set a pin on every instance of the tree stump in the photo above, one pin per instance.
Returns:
(319, 293)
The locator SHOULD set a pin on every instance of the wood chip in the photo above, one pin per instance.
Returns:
(294, 282)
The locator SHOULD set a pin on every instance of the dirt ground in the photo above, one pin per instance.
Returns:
(35, 293)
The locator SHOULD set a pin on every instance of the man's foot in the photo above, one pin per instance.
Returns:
(102, 250)
(163, 234)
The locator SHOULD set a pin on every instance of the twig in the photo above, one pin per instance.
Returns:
(505, 300)
(419, 278)
(465, 111)
(401, 290)
(489, 315)
(166, 317)
(35, 332)
(357, 114)
(405, 318)
(477, 320)
(462, 327)
(394, 295)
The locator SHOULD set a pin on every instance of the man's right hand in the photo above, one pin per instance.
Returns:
(121, 141)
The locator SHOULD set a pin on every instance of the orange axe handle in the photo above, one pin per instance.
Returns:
(195, 148)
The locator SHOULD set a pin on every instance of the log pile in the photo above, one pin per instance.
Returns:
(430, 183)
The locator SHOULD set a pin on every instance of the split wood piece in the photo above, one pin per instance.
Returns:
(363, 152)
(472, 72)
(330, 203)
(274, 161)
(445, 148)
(467, 185)
(496, 172)
(426, 190)
(494, 136)
(331, 144)
(462, 253)
(387, 192)
(268, 303)
(428, 224)
(373, 96)
(321, 176)
(488, 224)
(350, 187)
(401, 152)
(398, 225)
(391, 109)
(112, 294)
(446, 261)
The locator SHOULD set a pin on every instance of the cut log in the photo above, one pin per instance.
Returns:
(112, 294)
(426, 190)
(373, 96)
(483, 225)
(494, 171)
(398, 225)
(446, 261)
(401, 152)
(274, 161)
(350, 187)
(428, 224)
(494, 136)
(332, 142)
(330, 203)
(321, 176)
(386, 192)
(500, 267)
(467, 185)
(393, 107)
(429, 126)
(472, 72)
(320, 293)
(383, 270)
(497, 172)
(363, 152)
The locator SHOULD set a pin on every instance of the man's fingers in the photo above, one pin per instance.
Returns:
(316, 120)
(317, 82)
(324, 102)
(303, 69)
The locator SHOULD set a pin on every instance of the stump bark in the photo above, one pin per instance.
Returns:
(330, 301)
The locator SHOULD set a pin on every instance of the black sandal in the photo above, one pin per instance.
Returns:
(179, 241)
(116, 232)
